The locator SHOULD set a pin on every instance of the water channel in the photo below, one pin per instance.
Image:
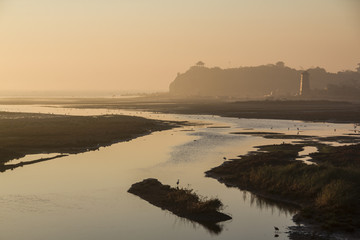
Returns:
(84, 196)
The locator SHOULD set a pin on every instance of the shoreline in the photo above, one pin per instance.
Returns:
(32, 133)
(252, 171)
(11, 167)
(302, 110)
(306, 231)
(314, 111)
(270, 197)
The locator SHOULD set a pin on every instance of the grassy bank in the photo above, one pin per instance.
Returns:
(327, 193)
(22, 133)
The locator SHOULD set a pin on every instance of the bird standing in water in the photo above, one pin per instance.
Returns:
(276, 229)
(177, 183)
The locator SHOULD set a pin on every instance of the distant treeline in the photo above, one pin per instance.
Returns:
(272, 79)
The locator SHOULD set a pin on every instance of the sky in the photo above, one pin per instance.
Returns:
(126, 45)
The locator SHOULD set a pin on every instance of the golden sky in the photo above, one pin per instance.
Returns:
(143, 44)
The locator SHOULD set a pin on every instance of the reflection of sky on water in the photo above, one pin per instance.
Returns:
(304, 154)
(84, 196)
(205, 143)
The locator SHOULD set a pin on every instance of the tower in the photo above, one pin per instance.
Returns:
(305, 84)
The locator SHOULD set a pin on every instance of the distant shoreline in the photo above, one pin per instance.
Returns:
(303, 110)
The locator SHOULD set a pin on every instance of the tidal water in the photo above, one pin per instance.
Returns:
(84, 196)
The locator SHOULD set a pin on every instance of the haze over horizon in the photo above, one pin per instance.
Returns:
(142, 44)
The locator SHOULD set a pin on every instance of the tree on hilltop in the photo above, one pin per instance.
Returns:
(200, 64)
(280, 64)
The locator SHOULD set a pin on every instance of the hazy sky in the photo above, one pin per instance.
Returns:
(143, 44)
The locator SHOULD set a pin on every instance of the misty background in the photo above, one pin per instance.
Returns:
(82, 45)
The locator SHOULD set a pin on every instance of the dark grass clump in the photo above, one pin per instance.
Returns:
(182, 202)
(188, 201)
(343, 156)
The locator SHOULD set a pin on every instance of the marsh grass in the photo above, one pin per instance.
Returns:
(187, 200)
(328, 193)
(179, 199)
(183, 202)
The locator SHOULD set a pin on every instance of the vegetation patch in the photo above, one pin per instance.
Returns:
(327, 193)
(341, 139)
(342, 156)
(182, 202)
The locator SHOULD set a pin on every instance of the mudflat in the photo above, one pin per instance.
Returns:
(27, 133)
(307, 110)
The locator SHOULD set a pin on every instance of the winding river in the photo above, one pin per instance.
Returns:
(84, 196)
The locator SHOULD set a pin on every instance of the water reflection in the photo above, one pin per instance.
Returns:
(304, 155)
(212, 228)
(12, 166)
(86, 194)
(263, 203)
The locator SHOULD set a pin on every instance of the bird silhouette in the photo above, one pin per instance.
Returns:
(177, 183)
(224, 158)
(276, 229)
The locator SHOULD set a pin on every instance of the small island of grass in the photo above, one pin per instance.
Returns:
(182, 202)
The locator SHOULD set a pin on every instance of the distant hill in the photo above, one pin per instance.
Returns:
(272, 79)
